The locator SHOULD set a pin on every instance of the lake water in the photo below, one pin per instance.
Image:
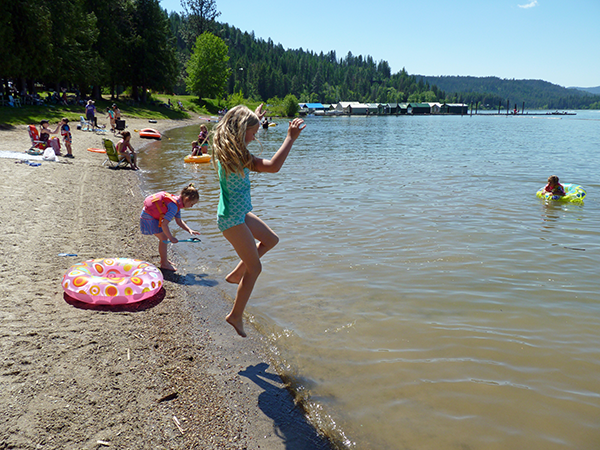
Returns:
(421, 296)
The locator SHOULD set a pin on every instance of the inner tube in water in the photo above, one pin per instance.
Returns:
(150, 133)
(200, 159)
(573, 193)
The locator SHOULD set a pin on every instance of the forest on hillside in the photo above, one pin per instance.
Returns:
(536, 94)
(135, 47)
(262, 69)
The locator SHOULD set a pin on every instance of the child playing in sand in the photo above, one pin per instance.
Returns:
(239, 226)
(159, 210)
(554, 186)
(65, 132)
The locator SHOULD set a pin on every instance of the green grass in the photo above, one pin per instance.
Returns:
(153, 109)
(29, 114)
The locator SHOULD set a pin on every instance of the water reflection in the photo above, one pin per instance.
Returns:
(418, 304)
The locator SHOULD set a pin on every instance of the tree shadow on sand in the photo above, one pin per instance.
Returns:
(289, 422)
(143, 305)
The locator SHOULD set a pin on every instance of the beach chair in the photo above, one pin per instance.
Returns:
(112, 157)
(37, 146)
(15, 102)
(84, 124)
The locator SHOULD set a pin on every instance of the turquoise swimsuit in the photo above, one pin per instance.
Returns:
(234, 201)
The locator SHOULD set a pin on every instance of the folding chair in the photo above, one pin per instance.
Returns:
(112, 157)
(84, 124)
(37, 146)
(15, 102)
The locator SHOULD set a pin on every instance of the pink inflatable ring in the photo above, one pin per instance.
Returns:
(112, 281)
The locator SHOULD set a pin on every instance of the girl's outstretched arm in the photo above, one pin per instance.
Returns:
(274, 164)
(259, 112)
(184, 226)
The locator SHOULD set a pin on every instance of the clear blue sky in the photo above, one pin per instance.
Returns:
(552, 40)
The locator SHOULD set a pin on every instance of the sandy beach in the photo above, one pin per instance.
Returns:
(154, 375)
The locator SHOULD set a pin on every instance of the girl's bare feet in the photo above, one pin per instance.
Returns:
(237, 324)
(169, 266)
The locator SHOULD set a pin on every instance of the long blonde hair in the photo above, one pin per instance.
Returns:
(229, 140)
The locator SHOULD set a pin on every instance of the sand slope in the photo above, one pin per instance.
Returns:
(146, 377)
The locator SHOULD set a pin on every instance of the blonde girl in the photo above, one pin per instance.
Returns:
(238, 224)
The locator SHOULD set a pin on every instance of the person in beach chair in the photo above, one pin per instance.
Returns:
(37, 145)
(112, 157)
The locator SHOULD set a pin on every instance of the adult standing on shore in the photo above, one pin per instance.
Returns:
(90, 113)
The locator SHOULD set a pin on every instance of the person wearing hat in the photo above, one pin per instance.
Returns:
(117, 111)
(90, 113)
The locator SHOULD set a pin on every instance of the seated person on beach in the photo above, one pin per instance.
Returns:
(45, 133)
(554, 186)
(125, 150)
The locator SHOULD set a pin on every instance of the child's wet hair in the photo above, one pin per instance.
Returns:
(190, 192)
(553, 179)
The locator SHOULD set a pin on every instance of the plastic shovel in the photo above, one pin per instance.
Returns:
(184, 240)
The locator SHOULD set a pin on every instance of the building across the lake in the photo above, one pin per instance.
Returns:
(382, 109)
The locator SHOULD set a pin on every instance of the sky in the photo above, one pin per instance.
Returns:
(551, 40)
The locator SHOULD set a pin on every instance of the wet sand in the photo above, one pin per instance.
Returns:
(154, 375)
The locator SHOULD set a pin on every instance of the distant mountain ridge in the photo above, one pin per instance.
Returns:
(591, 90)
(536, 94)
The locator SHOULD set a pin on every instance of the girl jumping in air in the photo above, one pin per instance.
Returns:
(239, 226)
(159, 210)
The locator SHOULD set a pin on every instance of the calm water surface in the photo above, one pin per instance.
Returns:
(421, 295)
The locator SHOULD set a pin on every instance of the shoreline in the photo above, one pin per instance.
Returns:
(169, 375)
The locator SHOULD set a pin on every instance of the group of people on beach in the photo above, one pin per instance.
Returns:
(250, 237)
(54, 142)
(124, 148)
(113, 112)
